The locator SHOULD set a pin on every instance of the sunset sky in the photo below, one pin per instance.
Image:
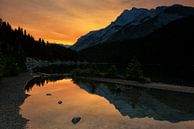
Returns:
(64, 21)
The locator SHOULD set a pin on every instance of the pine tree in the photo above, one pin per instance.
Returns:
(134, 70)
(112, 71)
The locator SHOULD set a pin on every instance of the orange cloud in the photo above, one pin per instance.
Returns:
(64, 21)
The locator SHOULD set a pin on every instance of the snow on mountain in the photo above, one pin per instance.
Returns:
(94, 37)
(133, 23)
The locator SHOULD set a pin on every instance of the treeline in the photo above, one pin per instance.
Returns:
(133, 71)
(19, 39)
(17, 44)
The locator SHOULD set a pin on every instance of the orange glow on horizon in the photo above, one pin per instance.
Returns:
(64, 21)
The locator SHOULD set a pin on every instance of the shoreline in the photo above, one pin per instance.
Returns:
(12, 96)
(152, 85)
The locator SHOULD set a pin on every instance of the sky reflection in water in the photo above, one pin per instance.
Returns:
(103, 106)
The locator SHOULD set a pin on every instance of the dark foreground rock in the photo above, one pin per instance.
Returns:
(48, 94)
(12, 95)
(76, 120)
(60, 102)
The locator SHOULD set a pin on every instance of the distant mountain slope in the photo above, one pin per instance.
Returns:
(171, 44)
(134, 23)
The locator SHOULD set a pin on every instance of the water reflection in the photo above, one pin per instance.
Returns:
(44, 112)
(134, 102)
(42, 80)
(141, 103)
(103, 106)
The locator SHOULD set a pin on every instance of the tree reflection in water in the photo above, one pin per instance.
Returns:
(42, 80)
(135, 102)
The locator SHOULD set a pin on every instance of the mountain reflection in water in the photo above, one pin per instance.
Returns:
(136, 102)
(141, 102)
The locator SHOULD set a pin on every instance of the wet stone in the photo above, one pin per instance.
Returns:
(76, 120)
(60, 102)
(48, 94)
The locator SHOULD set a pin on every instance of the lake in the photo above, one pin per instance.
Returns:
(103, 106)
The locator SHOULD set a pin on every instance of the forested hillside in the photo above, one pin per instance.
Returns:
(17, 44)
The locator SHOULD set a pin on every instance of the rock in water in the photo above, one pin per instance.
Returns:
(76, 120)
(60, 102)
(48, 94)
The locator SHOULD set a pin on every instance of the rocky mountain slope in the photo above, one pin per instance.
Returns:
(134, 23)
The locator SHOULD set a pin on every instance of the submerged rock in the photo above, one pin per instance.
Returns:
(48, 94)
(60, 102)
(76, 120)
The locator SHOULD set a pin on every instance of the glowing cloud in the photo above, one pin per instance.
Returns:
(64, 21)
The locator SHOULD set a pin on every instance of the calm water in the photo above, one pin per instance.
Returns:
(104, 106)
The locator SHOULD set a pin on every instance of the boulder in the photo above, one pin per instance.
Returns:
(76, 120)
(48, 94)
(60, 102)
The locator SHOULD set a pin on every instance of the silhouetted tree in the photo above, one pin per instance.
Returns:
(112, 71)
(134, 70)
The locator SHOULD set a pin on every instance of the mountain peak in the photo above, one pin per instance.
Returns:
(134, 23)
(177, 5)
(134, 8)
(125, 11)
(128, 16)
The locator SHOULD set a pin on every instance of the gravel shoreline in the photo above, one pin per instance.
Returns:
(12, 95)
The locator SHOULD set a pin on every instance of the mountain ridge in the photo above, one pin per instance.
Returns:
(134, 23)
(171, 45)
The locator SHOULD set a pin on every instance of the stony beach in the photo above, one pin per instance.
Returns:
(12, 95)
